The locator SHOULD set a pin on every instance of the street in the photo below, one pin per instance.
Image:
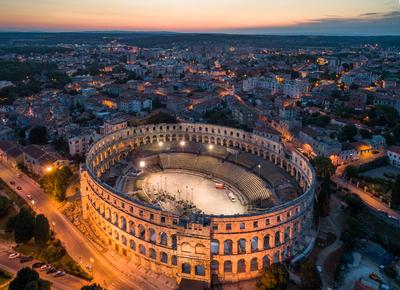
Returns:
(79, 247)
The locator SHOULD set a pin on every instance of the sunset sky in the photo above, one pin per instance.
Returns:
(244, 16)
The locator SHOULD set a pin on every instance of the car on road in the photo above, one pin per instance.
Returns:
(12, 182)
(28, 196)
(59, 273)
(26, 259)
(51, 270)
(19, 187)
(375, 277)
(19, 175)
(38, 265)
(14, 255)
(44, 267)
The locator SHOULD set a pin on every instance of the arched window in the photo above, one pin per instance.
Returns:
(266, 262)
(131, 228)
(241, 244)
(152, 236)
(241, 266)
(152, 254)
(164, 257)
(276, 257)
(142, 250)
(199, 270)
(116, 235)
(254, 244)
(132, 245)
(174, 243)
(227, 267)
(186, 268)
(123, 223)
(254, 264)
(266, 242)
(163, 239)
(214, 266)
(228, 247)
(277, 238)
(287, 234)
(215, 247)
(124, 240)
(174, 260)
(142, 232)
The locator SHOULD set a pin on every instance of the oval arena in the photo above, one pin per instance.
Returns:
(196, 201)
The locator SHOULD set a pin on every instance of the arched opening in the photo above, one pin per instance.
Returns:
(142, 250)
(164, 258)
(152, 254)
(142, 232)
(254, 244)
(163, 239)
(215, 247)
(152, 236)
(277, 238)
(174, 242)
(131, 228)
(227, 267)
(254, 264)
(241, 244)
(132, 245)
(266, 242)
(266, 262)
(174, 260)
(228, 247)
(123, 224)
(214, 266)
(241, 266)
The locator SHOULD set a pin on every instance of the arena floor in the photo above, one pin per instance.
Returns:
(205, 196)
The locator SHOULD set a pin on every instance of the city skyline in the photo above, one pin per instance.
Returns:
(367, 17)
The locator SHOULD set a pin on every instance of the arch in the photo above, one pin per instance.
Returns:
(163, 239)
(215, 247)
(266, 242)
(124, 241)
(214, 266)
(266, 262)
(241, 266)
(254, 244)
(164, 258)
(152, 254)
(174, 260)
(152, 236)
(277, 238)
(132, 228)
(123, 223)
(142, 232)
(254, 264)
(228, 247)
(174, 242)
(241, 246)
(132, 245)
(186, 268)
(227, 267)
(142, 250)
(199, 270)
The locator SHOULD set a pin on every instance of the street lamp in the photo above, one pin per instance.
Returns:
(49, 169)
(160, 143)
(142, 164)
(182, 143)
(210, 147)
(259, 168)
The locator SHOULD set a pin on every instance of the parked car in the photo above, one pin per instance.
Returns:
(26, 259)
(51, 270)
(38, 265)
(59, 274)
(12, 182)
(44, 267)
(19, 187)
(14, 255)
(375, 277)
(28, 196)
(19, 175)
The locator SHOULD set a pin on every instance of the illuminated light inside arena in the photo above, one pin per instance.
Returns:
(193, 201)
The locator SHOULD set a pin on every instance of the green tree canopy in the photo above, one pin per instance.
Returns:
(24, 226)
(323, 167)
(351, 171)
(324, 197)
(56, 183)
(5, 205)
(23, 278)
(42, 230)
(92, 287)
(275, 277)
(348, 133)
(395, 198)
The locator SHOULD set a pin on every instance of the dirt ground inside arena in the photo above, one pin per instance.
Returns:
(200, 190)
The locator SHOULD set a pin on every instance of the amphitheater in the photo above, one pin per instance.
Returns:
(197, 201)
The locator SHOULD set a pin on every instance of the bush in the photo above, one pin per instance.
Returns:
(5, 205)
(390, 271)
(54, 252)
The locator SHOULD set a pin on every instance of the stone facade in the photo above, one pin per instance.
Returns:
(234, 247)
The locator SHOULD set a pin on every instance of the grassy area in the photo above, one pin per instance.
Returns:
(56, 255)
(5, 278)
(19, 201)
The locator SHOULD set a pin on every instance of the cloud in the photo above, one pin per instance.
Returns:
(373, 23)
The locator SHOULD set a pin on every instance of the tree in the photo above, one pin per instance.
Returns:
(38, 135)
(323, 167)
(347, 133)
(324, 198)
(365, 134)
(351, 171)
(56, 183)
(28, 279)
(5, 205)
(275, 277)
(92, 287)
(42, 230)
(395, 197)
(309, 276)
(24, 226)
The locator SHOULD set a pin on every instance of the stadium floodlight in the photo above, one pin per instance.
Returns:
(160, 143)
(211, 147)
(142, 164)
(182, 143)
